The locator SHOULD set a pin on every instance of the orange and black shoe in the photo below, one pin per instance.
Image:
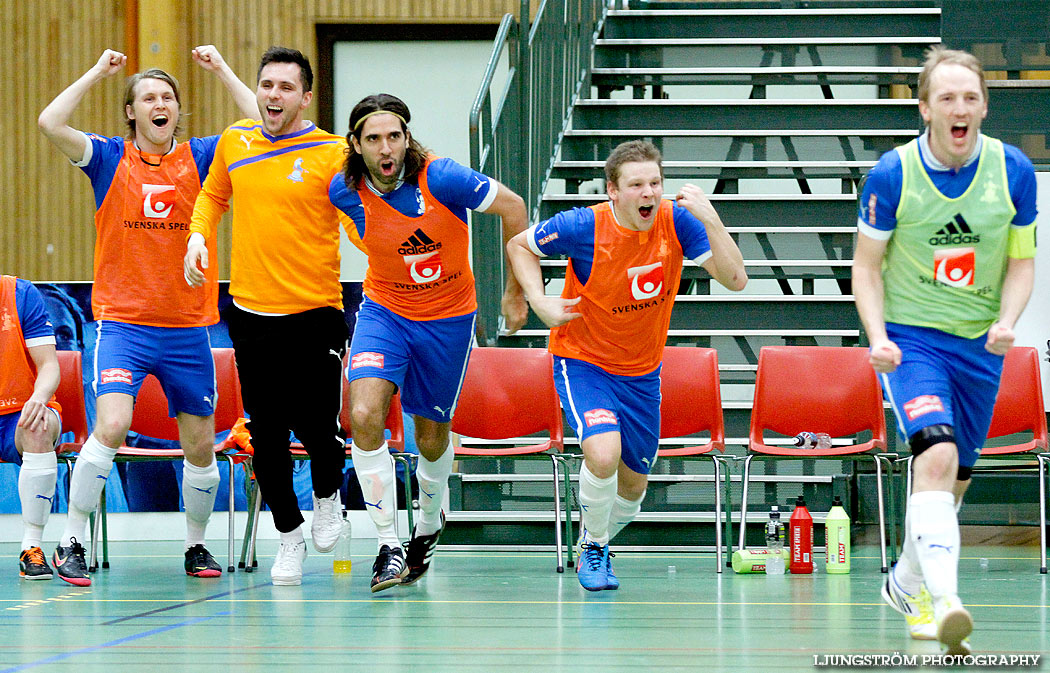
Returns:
(33, 566)
(70, 564)
(200, 563)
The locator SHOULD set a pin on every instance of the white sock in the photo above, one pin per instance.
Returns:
(935, 534)
(36, 491)
(622, 513)
(908, 571)
(375, 474)
(199, 485)
(293, 537)
(433, 483)
(89, 477)
(596, 497)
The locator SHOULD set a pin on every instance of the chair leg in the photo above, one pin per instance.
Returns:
(250, 488)
(743, 503)
(882, 512)
(229, 528)
(105, 533)
(405, 459)
(250, 562)
(559, 567)
(570, 537)
(718, 514)
(1043, 460)
(96, 532)
(727, 499)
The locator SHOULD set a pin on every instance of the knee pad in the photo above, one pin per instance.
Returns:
(929, 436)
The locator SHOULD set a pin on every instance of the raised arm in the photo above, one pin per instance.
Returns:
(209, 58)
(726, 264)
(868, 294)
(54, 119)
(511, 209)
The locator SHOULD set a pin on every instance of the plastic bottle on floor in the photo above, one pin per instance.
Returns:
(836, 539)
(775, 543)
(800, 526)
(341, 563)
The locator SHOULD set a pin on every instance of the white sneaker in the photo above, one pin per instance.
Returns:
(954, 624)
(287, 569)
(917, 609)
(327, 522)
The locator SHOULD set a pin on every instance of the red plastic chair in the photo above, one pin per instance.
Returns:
(818, 389)
(690, 404)
(70, 395)
(1019, 410)
(150, 418)
(508, 398)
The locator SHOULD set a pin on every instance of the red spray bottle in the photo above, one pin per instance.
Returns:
(800, 527)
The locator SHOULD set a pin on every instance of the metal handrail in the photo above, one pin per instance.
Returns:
(515, 138)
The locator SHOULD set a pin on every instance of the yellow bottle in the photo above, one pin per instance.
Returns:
(341, 562)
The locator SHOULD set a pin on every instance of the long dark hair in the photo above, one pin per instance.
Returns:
(415, 155)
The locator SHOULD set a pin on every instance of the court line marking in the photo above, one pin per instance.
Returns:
(112, 643)
(393, 599)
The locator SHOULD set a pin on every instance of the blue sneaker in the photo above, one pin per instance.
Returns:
(611, 581)
(591, 569)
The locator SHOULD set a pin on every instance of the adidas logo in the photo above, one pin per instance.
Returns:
(954, 233)
(417, 244)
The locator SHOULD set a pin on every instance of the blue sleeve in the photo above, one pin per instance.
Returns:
(569, 233)
(106, 154)
(348, 201)
(882, 191)
(691, 234)
(32, 314)
(1020, 174)
(203, 150)
(455, 185)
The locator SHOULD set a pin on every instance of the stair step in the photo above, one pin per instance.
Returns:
(583, 170)
(801, 213)
(808, 75)
(669, 42)
(781, 115)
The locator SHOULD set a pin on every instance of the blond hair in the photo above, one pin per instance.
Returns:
(936, 55)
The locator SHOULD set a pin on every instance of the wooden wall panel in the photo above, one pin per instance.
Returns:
(47, 202)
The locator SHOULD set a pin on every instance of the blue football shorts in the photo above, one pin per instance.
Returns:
(595, 401)
(425, 359)
(943, 379)
(8, 425)
(180, 358)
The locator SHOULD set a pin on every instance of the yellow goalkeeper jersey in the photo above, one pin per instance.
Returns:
(285, 256)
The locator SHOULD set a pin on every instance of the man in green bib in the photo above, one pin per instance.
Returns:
(944, 266)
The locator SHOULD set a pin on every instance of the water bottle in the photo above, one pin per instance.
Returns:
(747, 561)
(836, 539)
(813, 440)
(341, 562)
(775, 543)
(801, 532)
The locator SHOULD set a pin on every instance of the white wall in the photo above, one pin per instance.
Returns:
(1033, 329)
(437, 80)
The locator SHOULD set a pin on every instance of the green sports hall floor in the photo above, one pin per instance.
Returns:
(491, 611)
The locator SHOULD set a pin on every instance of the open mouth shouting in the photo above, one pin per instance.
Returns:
(274, 112)
(646, 211)
(387, 167)
(160, 121)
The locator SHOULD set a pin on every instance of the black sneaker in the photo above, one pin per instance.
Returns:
(33, 566)
(388, 569)
(200, 563)
(70, 564)
(420, 549)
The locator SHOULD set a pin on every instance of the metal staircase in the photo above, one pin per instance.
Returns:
(777, 109)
